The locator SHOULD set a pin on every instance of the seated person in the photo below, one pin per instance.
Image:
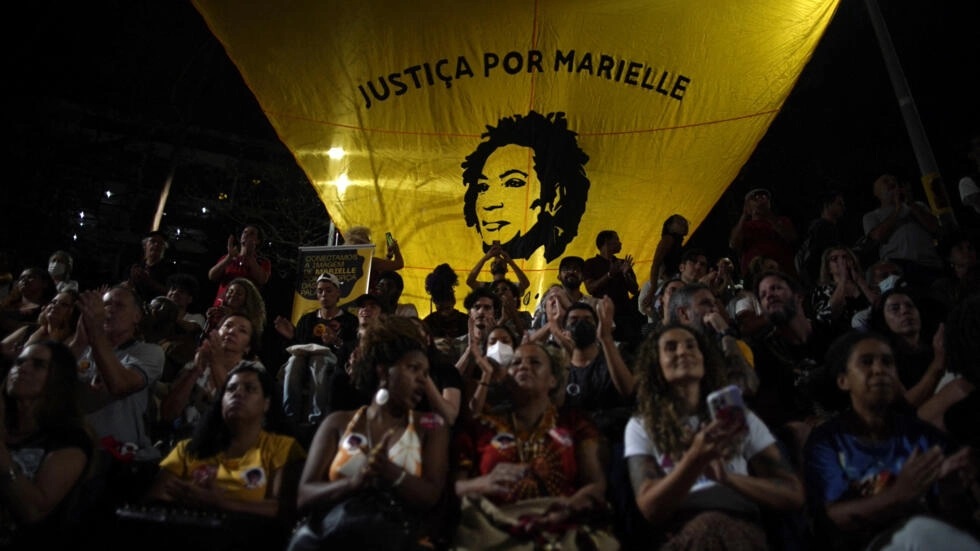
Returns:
(57, 321)
(60, 265)
(241, 297)
(511, 313)
(45, 449)
(33, 289)
(183, 290)
(193, 391)
(490, 390)
(920, 357)
(532, 461)
(233, 462)
(877, 475)
(842, 290)
(702, 483)
(386, 451)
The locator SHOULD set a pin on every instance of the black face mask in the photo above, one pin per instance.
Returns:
(582, 332)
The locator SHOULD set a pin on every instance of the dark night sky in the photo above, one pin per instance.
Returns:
(155, 62)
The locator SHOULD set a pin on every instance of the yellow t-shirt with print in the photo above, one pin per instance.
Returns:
(245, 478)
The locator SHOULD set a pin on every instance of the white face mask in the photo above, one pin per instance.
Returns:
(501, 352)
(57, 268)
(888, 283)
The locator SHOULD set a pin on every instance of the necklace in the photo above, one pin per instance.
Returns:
(532, 444)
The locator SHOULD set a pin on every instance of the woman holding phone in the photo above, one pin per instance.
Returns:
(701, 482)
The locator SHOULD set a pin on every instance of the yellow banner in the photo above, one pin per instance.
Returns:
(454, 124)
(350, 264)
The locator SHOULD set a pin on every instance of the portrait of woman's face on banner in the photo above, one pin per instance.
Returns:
(526, 186)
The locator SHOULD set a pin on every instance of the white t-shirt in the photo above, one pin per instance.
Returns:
(637, 442)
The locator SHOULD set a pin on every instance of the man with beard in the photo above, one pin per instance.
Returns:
(568, 292)
(388, 288)
(794, 392)
(695, 306)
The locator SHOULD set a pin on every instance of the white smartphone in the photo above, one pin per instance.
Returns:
(727, 404)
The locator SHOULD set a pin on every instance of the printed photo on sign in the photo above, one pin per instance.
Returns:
(526, 159)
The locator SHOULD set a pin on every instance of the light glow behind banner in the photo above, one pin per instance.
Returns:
(601, 114)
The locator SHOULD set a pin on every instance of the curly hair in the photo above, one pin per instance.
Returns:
(383, 345)
(560, 166)
(254, 308)
(661, 408)
(440, 283)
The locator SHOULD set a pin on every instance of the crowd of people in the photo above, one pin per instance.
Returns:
(801, 392)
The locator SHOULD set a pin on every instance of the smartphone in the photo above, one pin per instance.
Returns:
(391, 242)
(727, 404)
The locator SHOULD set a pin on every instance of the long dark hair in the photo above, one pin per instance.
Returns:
(60, 404)
(662, 409)
(212, 435)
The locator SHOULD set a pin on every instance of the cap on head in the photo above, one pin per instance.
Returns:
(571, 262)
(366, 298)
(157, 233)
(326, 276)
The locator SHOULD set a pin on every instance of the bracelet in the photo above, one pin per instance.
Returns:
(481, 383)
(10, 474)
(399, 480)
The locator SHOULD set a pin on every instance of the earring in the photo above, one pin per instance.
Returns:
(381, 396)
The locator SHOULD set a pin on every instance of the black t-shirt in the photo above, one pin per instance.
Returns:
(793, 380)
(449, 325)
(310, 326)
(591, 390)
(445, 375)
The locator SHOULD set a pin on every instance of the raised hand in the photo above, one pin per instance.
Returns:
(284, 327)
(605, 310)
(232, 246)
(626, 264)
(92, 308)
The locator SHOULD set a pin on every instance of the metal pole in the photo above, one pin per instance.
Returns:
(932, 181)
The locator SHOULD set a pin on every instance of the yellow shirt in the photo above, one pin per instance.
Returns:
(245, 478)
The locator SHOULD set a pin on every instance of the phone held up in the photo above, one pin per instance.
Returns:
(390, 242)
(727, 404)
